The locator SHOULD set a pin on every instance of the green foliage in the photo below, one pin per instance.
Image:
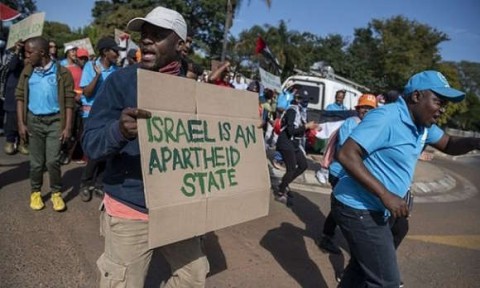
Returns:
(381, 56)
(205, 17)
(468, 118)
(60, 33)
(388, 52)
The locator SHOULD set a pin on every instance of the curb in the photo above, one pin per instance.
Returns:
(308, 182)
(438, 187)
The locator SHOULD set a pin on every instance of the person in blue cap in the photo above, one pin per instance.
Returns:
(380, 157)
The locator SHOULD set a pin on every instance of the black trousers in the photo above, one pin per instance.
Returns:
(295, 162)
(92, 173)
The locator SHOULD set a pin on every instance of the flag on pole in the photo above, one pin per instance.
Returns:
(7, 13)
(262, 47)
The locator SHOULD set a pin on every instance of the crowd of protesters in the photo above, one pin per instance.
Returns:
(52, 105)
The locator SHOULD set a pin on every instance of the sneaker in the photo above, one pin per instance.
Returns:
(86, 193)
(401, 284)
(57, 201)
(282, 198)
(22, 148)
(36, 202)
(9, 148)
(322, 176)
(326, 244)
(64, 158)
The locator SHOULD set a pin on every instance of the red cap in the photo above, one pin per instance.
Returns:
(81, 52)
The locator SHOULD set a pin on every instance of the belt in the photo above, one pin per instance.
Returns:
(45, 115)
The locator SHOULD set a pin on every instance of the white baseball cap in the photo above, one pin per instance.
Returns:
(164, 18)
(69, 47)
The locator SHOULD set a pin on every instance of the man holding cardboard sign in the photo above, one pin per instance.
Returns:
(111, 134)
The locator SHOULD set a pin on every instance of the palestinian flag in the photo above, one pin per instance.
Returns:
(262, 47)
(7, 13)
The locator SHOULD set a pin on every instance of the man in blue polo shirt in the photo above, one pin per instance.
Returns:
(338, 104)
(45, 102)
(380, 157)
(93, 76)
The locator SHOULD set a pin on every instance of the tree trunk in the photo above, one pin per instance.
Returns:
(228, 24)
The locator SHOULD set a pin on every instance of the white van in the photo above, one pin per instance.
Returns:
(321, 88)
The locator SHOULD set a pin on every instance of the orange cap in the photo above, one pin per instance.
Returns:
(367, 100)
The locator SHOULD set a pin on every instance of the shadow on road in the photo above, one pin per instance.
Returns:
(71, 182)
(314, 219)
(17, 174)
(287, 244)
(159, 270)
(215, 255)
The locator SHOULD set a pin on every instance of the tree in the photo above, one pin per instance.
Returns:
(231, 7)
(60, 33)
(469, 77)
(205, 17)
(399, 48)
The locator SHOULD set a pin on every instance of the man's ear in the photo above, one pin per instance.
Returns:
(180, 45)
(416, 96)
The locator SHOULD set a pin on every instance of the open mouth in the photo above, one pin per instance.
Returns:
(147, 55)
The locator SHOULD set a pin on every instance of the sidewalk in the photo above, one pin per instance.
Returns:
(429, 179)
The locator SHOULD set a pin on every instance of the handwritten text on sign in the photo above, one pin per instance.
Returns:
(218, 160)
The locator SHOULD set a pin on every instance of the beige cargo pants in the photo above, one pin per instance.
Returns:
(126, 258)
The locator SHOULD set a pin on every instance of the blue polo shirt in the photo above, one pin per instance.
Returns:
(335, 168)
(393, 144)
(43, 91)
(64, 62)
(87, 76)
(335, 107)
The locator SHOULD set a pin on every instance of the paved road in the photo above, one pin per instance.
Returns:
(49, 249)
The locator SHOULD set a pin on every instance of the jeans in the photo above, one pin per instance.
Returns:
(11, 130)
(44, 146)
(373, 261)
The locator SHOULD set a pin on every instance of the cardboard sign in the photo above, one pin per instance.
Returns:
(82, 43)
(269, 80)
(31, 26)
(203, 158)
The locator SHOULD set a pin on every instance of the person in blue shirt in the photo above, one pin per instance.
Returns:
(380, 158)
(45, 101)
(93, 75)
(366, 102)
(338, 104)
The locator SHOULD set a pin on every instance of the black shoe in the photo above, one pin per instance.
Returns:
(288, 192)
(401, 284)
(64, 158)
(86, 193)
(326, 244)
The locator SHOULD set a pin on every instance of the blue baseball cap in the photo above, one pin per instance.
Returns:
(435, 81)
